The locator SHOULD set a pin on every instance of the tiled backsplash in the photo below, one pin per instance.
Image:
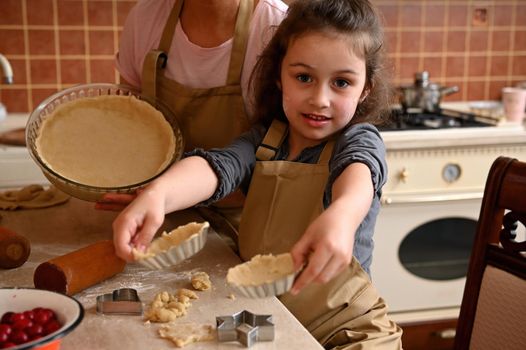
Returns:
(479, 45)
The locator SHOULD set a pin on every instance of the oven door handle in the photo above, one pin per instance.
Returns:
(430, 198)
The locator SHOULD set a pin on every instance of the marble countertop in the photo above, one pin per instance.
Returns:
(58, 230)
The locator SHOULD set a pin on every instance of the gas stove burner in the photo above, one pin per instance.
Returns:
(442, 119)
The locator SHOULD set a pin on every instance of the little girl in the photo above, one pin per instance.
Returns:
(312, 170)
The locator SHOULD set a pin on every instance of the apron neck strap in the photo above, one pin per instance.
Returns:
(169, 28)
(326, 153)
(272, 140)
(239, 45)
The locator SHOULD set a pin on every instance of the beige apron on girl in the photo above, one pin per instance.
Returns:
(283, 199)
(208, 118)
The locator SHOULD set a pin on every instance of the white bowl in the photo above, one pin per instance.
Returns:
(68, 310)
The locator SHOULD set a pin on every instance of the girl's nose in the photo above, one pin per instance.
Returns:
(320, 96)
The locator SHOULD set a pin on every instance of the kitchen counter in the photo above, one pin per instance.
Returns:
(61, 229)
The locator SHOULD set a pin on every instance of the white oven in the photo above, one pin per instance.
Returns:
(430, 207)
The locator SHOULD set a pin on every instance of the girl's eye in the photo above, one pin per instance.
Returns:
(341, 83)
(304, 78)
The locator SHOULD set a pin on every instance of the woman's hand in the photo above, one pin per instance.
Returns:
(137, 224)
(115, 201)
(324, 250)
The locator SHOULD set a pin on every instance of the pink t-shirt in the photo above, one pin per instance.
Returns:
(189, 64)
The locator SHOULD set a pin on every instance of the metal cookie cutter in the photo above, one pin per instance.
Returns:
(245, 327)
(124, 301)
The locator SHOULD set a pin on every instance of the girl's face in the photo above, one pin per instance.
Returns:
(322, 81)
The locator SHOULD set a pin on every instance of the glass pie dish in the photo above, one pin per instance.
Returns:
(82, 93)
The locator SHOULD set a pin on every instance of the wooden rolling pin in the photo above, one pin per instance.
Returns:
(78, 270)
(14, 249)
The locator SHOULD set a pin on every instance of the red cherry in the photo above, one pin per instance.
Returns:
(7, 317)
(35, 330)
(18, 337)
(22, 324)
(18, 317)
(30, 314)
(51, 327)
(7, 345)
(42, 316)
(4, 337)
(5, 328)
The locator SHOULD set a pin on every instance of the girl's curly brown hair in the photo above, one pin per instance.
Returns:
(356, 18)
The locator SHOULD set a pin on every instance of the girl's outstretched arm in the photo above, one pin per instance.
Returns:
(326, 247)
(186, 183)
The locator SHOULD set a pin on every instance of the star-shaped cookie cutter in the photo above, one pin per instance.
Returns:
(245, 327)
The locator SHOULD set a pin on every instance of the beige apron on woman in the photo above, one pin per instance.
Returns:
(208, 117)
(283, 199)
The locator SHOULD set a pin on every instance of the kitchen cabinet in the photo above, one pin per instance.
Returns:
(429, 335)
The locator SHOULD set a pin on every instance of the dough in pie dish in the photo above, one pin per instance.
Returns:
(263, 276)
(106, 141)
(175, 246)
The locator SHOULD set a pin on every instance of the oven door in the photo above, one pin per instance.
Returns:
(422, 249)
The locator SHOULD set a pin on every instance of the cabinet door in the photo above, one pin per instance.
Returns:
(429, 335)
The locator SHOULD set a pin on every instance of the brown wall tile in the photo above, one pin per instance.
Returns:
(70, 12)
(411, 15)
(102, 71)
(520, 10)
(40, 94)
(72, 42)
(458, 15)
(390, 15)
(43, 71)
(15, 100)
(455, 66)
(101, 42)
(475, 90)
(519, 66)
(73, 71)
(12, 42)
(41, 42)
(478, 41)
(477, 66)
(495, 89)
(123, 7)
(434, 66)
(499, 65)
(39, 12)
(408, 67)
(435, 15)
(501, 40)
(433, 41)
(410, 41)
(19, 71)
(100, 13)
(502, 15)
(519, 41)
(456, 41)
(11, 12)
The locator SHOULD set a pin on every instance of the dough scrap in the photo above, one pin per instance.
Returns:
(172, 239)
(261, 269)
(106, 141)
(167, 307)
(182, 334)
(201, 281)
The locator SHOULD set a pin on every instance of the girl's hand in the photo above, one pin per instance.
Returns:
(136, 225)
(324, 250)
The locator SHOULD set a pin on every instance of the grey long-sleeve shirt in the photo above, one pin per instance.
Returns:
(358, 143)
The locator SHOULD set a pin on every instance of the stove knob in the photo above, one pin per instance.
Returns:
(404, 175)
(451, 172)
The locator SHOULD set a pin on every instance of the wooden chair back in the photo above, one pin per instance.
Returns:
(493, 309)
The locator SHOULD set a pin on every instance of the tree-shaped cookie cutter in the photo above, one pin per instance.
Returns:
(245, 327)
(124, 301)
